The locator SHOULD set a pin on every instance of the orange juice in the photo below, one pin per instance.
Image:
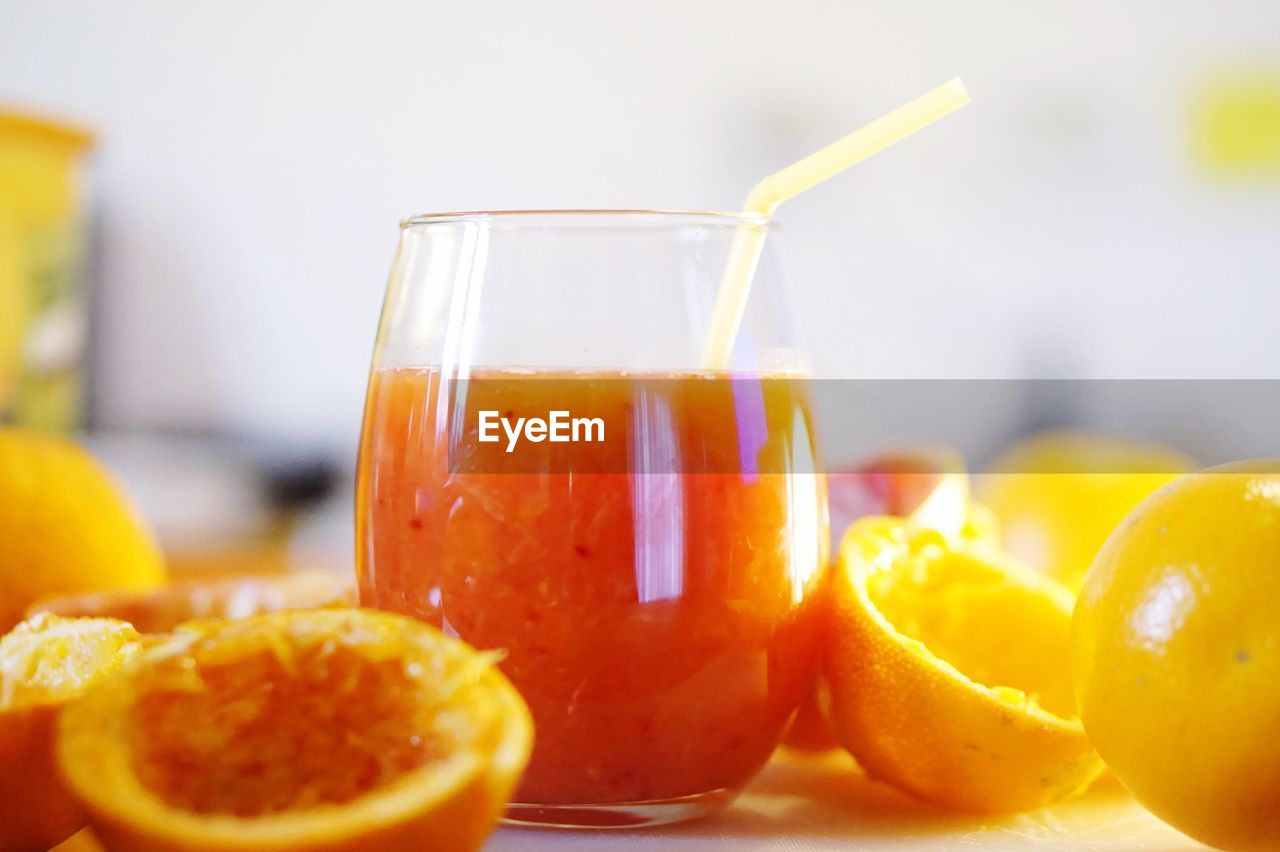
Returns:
(654, 595)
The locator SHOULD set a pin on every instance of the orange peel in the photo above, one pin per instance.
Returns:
(949, 669)
(338, 729)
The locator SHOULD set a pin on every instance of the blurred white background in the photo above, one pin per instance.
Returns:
(255, 159)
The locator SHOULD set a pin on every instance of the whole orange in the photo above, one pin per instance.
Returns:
(1058, 495)
(65, 526)
(1176, 648)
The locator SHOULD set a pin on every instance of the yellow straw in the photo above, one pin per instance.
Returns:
(731, 298)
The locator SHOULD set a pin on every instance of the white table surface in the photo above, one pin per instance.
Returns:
(802, 803)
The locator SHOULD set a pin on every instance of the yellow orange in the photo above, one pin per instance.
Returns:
(336, 729)
(65, 526)
(1058, 495)
(44, 663)
(949, 668)
(1177, 654)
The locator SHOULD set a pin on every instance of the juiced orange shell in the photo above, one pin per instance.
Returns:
(949, 668)
(322, 730)
(44, 663)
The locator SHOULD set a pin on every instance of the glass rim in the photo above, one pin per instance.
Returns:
(706, 217)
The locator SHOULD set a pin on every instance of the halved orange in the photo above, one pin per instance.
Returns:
(338, 729)
(44, 663)
(945, 509)
(949, 668)
(162, 610)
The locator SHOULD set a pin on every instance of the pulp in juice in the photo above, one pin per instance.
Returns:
(655, 596)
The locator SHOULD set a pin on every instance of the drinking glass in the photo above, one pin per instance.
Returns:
(653, 593)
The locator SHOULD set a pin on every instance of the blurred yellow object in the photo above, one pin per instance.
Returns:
(1176, 644)
(44, 663)
(1236, 124)
(949, 670)
(1058, 495)
(65, 527)
(43, 307)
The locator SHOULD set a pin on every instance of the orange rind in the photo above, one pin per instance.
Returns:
(949, 669)
(336, 729)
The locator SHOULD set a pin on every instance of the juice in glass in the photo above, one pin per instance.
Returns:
(654, 595)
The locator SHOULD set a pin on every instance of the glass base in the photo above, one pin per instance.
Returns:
(617, 814)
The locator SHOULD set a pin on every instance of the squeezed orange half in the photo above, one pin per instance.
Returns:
(311, 730)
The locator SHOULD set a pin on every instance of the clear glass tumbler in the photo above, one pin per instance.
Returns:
(654, 594)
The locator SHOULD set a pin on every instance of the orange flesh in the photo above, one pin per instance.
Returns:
(50, 659)
(268, 732)
(662, 629)
(994, 630)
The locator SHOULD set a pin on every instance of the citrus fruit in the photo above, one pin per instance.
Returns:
(929, 485)
(1058, 495)
(1177, 655)
(13, 307)
(65, 526)
(162, 610)
(44, 663)
(338, 729)
(949, 668)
